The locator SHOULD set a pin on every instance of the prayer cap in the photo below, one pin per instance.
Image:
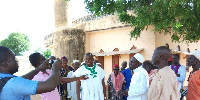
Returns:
(64, 58)
(74, 61)
(196, 53)
(139, 57)
(115, 66)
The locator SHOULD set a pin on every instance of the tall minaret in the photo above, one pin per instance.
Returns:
(69, 42)
(61, 13)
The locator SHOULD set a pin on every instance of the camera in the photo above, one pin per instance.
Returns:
(51, 62)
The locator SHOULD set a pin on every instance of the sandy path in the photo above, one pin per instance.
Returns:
(35, 97)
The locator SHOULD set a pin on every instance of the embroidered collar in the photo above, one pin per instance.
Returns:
(92, 70)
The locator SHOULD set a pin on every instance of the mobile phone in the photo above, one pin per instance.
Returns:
(51, 62)
(86, 76)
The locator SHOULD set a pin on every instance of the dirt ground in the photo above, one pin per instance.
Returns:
(35, 97)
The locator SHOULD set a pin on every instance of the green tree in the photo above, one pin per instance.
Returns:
(180, 18)
(47, 53)
(17, 42)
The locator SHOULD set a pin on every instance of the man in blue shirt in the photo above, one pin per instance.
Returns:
(134, 63)
(20, 88)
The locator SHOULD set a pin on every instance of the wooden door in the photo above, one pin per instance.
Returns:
(115, 60)
(101, 60)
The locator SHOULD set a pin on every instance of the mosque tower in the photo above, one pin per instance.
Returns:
(66, 41)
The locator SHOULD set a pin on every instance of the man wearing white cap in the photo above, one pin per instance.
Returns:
(193, 92)
(71, 87)
(164, 83)
(134, 63)
(139, 82)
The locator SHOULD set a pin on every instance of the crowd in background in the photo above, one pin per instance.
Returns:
(160, 78)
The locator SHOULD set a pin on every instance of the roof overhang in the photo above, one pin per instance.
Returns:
(176, 51)
(108, 53)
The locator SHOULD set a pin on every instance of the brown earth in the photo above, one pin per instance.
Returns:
(35, 97)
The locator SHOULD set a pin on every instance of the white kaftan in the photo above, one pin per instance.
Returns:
(71, 87)
(92, 88)
(139, 85)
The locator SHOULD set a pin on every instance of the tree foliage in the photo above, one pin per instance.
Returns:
(180, 18)
(47, 53)
(17, 42)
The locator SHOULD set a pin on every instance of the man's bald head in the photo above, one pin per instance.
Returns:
(161, 55)
(164, 51)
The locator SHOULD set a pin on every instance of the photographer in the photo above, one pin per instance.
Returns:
(20, 88)
(36, 59)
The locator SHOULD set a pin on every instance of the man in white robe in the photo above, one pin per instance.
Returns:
(140, 82)
(92, 88)
(71, 87)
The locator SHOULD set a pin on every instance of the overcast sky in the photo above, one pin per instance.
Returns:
(34, 18)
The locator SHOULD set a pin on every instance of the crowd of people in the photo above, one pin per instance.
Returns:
(143, 80)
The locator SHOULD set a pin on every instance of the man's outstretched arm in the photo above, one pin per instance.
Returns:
(68, 80)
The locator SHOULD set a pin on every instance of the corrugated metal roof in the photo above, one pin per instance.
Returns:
(107, 53)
